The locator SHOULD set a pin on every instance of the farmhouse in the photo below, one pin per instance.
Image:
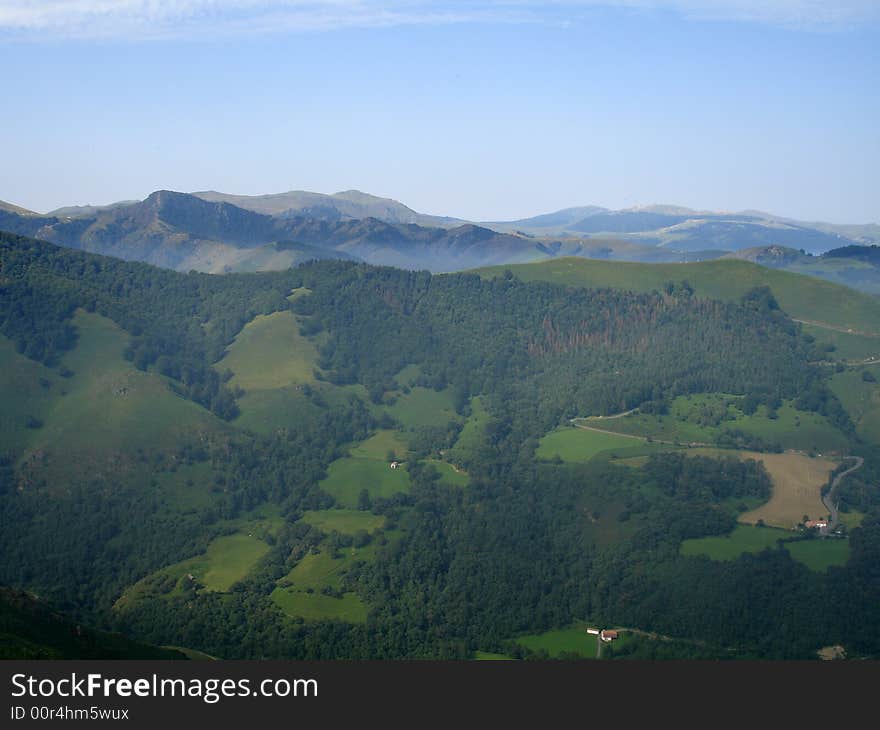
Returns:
(593, 631)
(608, 635)
(817, 524)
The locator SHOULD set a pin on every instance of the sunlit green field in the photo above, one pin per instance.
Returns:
(791, 429)
(270, 353)
(346, 521)
(743, 539)
(803, 297)
(580, 445)
(816, 554)
(423, 407)
(819, 555)
(96, 420)
(346, 478)
(574, 639)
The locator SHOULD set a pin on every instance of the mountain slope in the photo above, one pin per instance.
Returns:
(10, 208)
(800, 296)
(339, 206)
(690, 230)
(29, 629)
(855, 266)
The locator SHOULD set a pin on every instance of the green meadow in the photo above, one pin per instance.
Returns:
(299, 594)
(228, 560)
(346, 477)
(450, 474)
(802, 297)
(346, 521)
(847, 345)
(818, 554)
(579, 445)
(574, 639)
(488, 656)
(472, 431)
(743, 539)
(28, 391)
(270, 353)
(687, 423)
(423, 407)
(96, 420)
(319, 607)
(379, 445)
(861, 399)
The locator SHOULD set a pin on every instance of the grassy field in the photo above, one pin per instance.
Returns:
(743, 539)
(408, 375)
(579, 445)
(573, 639)
(270, 353)
(797, 483)
(449, 474)
(318, 607)
(346, 478)
(851, 519)
(848, 346)
(802, 297)
(27, 390)
(96, 420)
(298, 594)
(819, 555)
(379, 444)
(423, 407)
(267, 411)
(685, 423)
(228, 560)
(346, 521)
(488, 656)
(861, 400)
(472, 431)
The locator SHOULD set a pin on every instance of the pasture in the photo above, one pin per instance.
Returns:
(299, 594)
(346, 521)
(703, 418)
(320, 607)
(96, 420)
(423, 407)
(803, 297)
(346, 477)
(861, 399)
(797, 483)
(819, 555)
(228, 560)
(573, 639)
(579, 445)
(269, 353)
(379, 445)
(743, 539)
(449, 474)
(471, 433)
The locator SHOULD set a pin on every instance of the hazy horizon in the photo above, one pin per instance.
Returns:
(483, 112)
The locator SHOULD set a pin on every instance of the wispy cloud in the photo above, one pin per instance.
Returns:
(152, 19)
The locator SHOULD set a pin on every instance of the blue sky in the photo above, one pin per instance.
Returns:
(479, 110)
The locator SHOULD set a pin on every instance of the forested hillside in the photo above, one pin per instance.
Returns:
(341, 460)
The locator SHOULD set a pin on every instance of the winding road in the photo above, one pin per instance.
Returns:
(828, 498)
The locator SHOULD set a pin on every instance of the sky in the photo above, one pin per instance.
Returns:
(484, 111)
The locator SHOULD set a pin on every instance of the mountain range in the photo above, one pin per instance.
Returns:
(218, 232)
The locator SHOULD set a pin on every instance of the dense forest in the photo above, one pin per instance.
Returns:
(527, 546)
